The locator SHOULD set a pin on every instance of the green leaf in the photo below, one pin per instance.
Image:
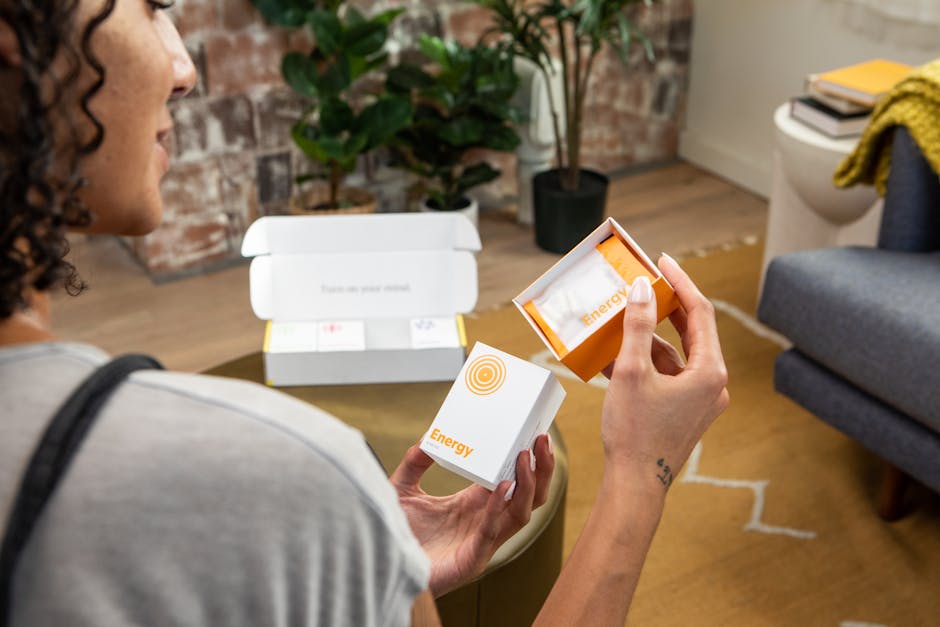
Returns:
(336, 116)
(490, 85)
(354, 17)
(292, 13)
(500, 109)
(406, 77)
(332, 147)
(502, 138)
(441, 95)
(462, 131)
(300, 73)
(474, 175)
(381, 120)
(647, 46)
(327, 30)
(587, 16)
(435, 49)
(335, 78)
(438, 199)
(437, 155)
(356, 144)
(361, 65)
(365, 39)
(623, 27)
(347, 165)
(305, 138)
(387, 17)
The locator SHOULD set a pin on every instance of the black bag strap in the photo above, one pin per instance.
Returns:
(50, 461)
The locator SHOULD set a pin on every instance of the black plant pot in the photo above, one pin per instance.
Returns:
(562, 218)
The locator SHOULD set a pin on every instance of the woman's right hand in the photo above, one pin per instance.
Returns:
(656, 408)
(655, 411)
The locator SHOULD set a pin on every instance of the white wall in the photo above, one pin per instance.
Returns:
(748, 56)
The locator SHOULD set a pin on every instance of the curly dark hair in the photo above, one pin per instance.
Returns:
(37, 201)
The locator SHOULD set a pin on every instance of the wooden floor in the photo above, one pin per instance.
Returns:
(199, 322)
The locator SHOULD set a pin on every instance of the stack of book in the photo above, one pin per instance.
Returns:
(839, 102)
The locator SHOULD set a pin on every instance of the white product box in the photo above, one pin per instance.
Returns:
(497, 407)
(362, 298)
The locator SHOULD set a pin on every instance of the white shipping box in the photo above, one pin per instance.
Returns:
(370, 298)
(496, 408)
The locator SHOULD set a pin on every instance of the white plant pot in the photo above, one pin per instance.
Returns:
(472, 211)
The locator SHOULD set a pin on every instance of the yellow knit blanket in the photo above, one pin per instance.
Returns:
(914, 103)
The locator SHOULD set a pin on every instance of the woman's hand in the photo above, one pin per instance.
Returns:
(656, 409)
(461, 532)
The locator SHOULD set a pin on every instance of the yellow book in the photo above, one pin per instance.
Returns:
(863, 83)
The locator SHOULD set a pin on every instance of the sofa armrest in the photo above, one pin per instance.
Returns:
(911, 220)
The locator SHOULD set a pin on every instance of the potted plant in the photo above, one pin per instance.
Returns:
(462, 105)
(569, 201)
(337, 127)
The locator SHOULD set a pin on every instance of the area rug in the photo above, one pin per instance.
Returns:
(772, 520)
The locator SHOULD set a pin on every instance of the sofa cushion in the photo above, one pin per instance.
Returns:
(890, 434)
(870, 315)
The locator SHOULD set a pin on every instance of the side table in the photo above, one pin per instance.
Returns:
(392, 417)
(806, 209)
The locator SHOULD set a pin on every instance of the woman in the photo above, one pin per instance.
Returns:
(197, 500)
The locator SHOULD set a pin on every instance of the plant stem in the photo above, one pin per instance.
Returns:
(581, 96)
(566, 81)
(572, 177)
(559, 155)
(336, 176)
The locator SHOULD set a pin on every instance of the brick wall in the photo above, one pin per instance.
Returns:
(233, 160)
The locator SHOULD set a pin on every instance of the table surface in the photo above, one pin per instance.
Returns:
(393, 417)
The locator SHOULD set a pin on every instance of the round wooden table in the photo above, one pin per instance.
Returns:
(393, 417)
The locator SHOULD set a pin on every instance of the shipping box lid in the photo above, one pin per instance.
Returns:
(362, 266)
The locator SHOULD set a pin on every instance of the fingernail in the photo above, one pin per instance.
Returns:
(510, 492)
(670, 259)
(532, 460)
(551, 447)
(641, 291)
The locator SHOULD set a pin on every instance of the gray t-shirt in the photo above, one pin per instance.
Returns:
(201, 501)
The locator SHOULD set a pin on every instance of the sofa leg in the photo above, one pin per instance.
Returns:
(891, 493)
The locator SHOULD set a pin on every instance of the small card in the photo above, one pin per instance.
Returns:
(341, 335)
(434, 333)
(292, 337)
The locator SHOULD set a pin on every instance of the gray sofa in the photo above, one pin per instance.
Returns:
(865, 327)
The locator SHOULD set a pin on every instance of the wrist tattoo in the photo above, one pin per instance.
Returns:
(665, 474)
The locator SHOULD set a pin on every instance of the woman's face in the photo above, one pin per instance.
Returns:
(145, 65)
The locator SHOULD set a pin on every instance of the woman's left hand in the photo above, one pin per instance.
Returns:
(462, 531)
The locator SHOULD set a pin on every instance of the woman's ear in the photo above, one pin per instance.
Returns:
(9, 46)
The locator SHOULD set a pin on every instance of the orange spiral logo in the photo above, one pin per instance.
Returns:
(485, 375)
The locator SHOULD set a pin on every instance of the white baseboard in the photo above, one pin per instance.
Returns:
(754, 177)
